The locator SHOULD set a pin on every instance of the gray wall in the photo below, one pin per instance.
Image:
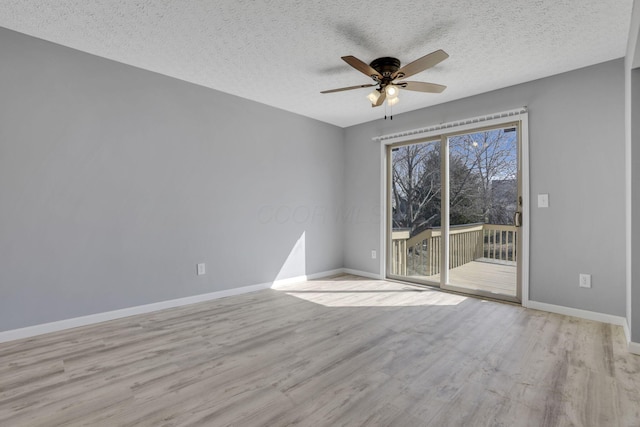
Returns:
(632, 145)
(576, 139)
(115, 182)
(635, 206)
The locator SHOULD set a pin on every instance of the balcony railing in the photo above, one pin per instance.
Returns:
(420, 255)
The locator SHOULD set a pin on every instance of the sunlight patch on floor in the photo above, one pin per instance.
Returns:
(368, 293)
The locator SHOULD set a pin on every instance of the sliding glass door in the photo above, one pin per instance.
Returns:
(414, 178)
(483, 205)
(454, 207)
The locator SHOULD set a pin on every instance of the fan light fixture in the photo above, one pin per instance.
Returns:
(373, 96)
(386, 70)
(392, 91)
(391, 95)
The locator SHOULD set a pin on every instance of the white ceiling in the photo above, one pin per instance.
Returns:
(284, 52)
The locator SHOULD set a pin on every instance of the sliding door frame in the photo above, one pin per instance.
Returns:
(444, 132)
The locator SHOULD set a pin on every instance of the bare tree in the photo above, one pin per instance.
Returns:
(416, 185)
(482, 181)
(491, 157)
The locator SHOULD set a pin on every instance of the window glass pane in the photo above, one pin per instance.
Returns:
(415, 210)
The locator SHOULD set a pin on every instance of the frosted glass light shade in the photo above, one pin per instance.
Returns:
(373, 96)
(392, 91)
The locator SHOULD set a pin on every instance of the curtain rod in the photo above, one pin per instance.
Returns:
(450, 125)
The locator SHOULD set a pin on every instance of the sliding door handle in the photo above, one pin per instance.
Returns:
(517, 219)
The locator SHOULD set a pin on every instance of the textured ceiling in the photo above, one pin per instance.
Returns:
(284, 52)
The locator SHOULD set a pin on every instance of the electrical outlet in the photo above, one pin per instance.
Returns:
(373, 254)
(201, 269)
(585, 280)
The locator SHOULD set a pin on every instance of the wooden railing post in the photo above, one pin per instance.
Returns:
(500, 242)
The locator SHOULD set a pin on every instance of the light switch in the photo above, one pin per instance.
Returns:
(201, 269)
(585, 280)
(543, 200)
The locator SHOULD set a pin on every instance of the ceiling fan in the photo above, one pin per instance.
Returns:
(388, 76)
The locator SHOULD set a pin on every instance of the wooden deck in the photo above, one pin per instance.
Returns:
(493, 277)
(485, 276)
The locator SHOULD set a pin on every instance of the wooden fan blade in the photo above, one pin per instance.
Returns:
(422, 64)
(422, 87)
(363, 67)
(380, 101)
(347, 88)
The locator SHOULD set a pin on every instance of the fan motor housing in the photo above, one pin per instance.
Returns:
(386, 65)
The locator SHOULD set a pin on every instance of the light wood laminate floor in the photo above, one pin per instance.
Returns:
(341, 351)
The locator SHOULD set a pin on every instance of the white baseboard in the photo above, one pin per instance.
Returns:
(362, 273)
(633, 347)
(576, 312)
(75, 322)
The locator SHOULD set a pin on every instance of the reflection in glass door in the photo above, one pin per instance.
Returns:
(483, 203)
